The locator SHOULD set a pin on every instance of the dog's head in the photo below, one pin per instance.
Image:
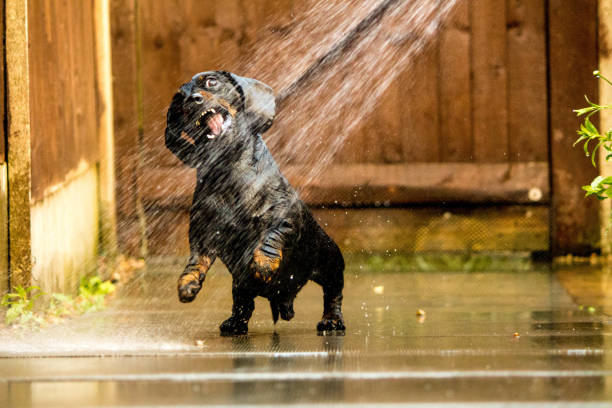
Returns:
(209, 105)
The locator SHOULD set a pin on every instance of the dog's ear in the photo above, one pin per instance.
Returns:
(259, 103)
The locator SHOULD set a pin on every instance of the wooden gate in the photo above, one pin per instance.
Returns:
(479, 119)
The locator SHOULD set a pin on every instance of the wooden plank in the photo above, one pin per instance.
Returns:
(378, 139)
(125, 103)
(104, 88)
(63, 99)
(455, 87)
(419, 129)
(4, 230)
(527, 88)
(367, 184)
(18, 140)
(573, 54)
(4, 220)
(489, 85)
(383, 230)
(160, 70)
(437, 229)
(605, 94)
(2, 96)
(376, 184)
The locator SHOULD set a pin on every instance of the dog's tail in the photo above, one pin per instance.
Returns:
(275, 311)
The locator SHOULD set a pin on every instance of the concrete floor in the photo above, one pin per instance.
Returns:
(148, 349)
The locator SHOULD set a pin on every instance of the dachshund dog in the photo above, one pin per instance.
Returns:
(244, 211)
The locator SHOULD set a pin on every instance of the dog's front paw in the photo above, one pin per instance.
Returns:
(265, 265)
(234, 327)
(331, 323)
(190, 283)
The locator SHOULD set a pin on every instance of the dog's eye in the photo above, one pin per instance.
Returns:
(211, 82)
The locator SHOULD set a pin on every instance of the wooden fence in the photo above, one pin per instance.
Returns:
(482, 117)
(51, 187)
(472, 141)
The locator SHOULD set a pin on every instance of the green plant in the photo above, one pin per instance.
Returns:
(20, 304)
(92, 293)
(601, 186)
(61, 305)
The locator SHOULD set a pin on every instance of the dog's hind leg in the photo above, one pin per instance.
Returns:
(242, 310)
(269, 253)
(329, 274)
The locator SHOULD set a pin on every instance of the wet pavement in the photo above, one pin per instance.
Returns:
(487, 338)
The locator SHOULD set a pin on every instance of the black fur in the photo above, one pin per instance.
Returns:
(244, 211)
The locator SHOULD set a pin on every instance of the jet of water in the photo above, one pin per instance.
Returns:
(358, 52)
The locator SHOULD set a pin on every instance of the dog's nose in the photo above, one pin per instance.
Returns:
(197, 98)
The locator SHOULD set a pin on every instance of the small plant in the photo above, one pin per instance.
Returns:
(92, 293)
(20, 304)
(601, 186)
(61, 305)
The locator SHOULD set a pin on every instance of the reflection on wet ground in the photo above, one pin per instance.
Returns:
(528, 337)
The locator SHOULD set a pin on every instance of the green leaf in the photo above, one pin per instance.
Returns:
(582, 111)
(596, 181)
(584, 131)
(580, 139)
(595, 151)
(591, 103)
(31, 288)
(586, 147)
(591, 127)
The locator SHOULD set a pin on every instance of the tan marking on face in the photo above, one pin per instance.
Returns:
(228, 107)
(232, 111)
(207, 95)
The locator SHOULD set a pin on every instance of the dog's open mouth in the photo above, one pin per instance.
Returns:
(215, 121)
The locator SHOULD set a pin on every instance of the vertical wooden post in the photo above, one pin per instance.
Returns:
(605, 96)
(19, 157)
(104, 82)
(572, 57)
(489, 84)
(127, 123)
(4, 256)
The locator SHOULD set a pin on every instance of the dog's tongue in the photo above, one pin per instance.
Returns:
(215, 124)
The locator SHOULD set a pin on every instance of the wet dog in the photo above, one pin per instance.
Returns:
(244, 211)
